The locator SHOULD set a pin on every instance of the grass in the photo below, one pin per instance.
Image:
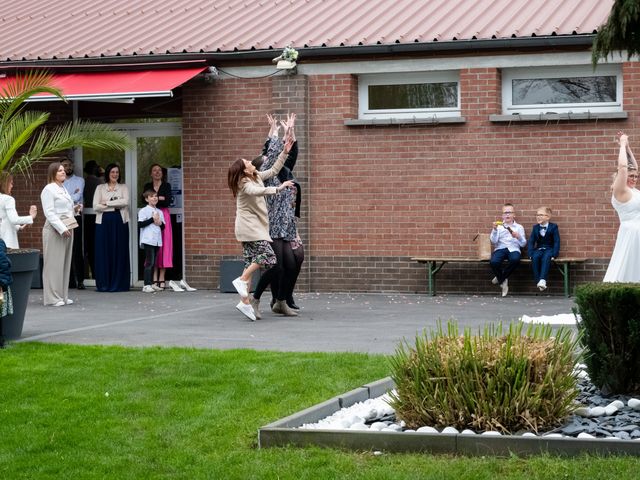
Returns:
(175, 413)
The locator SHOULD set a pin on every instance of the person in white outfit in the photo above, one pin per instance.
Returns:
(625, 260)
(10, 222)
(57, 237)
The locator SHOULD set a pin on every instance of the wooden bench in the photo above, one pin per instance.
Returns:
(433, 268)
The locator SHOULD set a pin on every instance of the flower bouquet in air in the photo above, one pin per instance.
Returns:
(287, 59)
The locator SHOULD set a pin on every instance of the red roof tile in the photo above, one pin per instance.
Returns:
(46, 29)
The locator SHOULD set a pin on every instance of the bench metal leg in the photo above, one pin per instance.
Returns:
(564, 271)
(432, 270)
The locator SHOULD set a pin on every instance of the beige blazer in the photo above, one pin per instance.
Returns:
(115, 200)
(252, 221)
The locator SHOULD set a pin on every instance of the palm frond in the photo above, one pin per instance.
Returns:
(23, 138)
(17, 132)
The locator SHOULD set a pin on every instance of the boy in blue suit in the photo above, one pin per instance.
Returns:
(543, 246)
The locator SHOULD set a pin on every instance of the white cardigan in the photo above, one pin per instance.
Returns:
(10, 221)
(56, 202)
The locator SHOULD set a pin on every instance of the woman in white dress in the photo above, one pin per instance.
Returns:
(625, 260)
(10, 222)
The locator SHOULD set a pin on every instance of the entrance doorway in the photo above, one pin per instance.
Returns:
(159, 143)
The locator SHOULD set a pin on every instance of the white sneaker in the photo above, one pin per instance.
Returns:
(148, 289)
(61, 303)
(69, 301)
(175, 287)
(505, 288)
(494, 280)
(155, 288)
(241, 287)
(186, 286)
(247, 311)
(542, 285)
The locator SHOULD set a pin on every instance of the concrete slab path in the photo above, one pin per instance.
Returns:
(328, 322)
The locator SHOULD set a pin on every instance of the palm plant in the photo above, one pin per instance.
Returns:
(25, 140)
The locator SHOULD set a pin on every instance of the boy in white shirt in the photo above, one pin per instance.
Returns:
(151, 223)
(508, 238)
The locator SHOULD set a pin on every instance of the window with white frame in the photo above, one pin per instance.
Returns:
(409, 95)
(573, 89)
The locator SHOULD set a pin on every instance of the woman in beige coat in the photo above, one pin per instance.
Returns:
(252, 225)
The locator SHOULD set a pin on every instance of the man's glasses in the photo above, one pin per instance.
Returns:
(632, 176)
(507, 213)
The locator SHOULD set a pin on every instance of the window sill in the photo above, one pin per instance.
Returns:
(556, 117)
(357, 122)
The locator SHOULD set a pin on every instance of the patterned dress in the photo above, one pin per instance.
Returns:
(281, 206)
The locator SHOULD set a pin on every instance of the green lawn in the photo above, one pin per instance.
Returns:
(75, 412)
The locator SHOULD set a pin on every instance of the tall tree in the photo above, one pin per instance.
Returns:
(621, 32)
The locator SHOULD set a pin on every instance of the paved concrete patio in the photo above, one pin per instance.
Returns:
(328, 322)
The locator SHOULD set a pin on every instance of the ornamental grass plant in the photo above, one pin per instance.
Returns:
(507, 382)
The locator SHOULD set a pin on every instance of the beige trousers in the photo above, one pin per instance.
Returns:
(57, 252)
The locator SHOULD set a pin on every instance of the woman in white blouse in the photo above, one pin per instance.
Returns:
(10, 222)
(57, 238)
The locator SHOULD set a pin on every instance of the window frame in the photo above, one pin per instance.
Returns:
(525, 73)
(366, 80)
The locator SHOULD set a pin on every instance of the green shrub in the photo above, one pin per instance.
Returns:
(492, 381)
(610, 334)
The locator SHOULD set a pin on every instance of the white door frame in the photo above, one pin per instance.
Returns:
(135, 131)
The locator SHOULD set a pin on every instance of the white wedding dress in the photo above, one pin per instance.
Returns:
(625, 260)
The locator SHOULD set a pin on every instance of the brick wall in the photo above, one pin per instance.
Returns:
(375, 196)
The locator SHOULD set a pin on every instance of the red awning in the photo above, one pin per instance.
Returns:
(118, 85)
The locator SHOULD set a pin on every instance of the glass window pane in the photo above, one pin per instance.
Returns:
(564, 90)
(413, 95)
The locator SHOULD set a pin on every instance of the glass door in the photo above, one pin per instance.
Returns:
(152, 144)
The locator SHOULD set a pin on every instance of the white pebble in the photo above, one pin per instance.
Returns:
(377, 426)
(377, 453)
(427, 430)
(553, 435)
(491, 433)
(618, 404)
(529, 434)
(466, 431)
(583, 375)
(585, 435)
(450, 430)
(610, 409)
(634, 403)
(597, 412)
(409, 430)
(582, 411)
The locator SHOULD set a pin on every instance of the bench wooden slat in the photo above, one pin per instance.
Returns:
(562, 263)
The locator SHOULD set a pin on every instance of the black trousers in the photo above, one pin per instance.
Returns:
(150, 255)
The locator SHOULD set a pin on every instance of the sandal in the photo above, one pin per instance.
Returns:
(160, 285)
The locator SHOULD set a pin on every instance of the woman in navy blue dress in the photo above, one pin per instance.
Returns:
(111, 204)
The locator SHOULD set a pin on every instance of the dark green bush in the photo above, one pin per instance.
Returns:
(492, 381)
(610, 332)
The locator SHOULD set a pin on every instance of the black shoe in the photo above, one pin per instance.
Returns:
(81, 286)
(292, 304)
